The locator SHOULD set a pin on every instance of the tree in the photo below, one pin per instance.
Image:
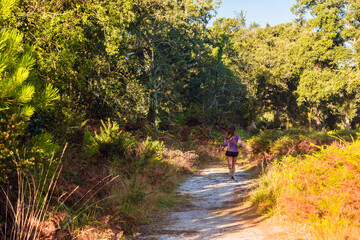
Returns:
(327, 60)
(167, 45)
(81, 48)
(261, 59)
(21, 94)
(352, 33)
(225, 93)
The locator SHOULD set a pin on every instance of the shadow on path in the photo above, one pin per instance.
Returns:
(211, 212)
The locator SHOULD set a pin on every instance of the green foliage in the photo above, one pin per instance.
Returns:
(170, 69)
(299, 71)
(190, 117)
(21, 95)
(12, 129)
(89, 145)
(151, 131)
(135, 190)
(121, 148)
(6, 6)
(216, 136)
(268, 190)
(65, 123)
(330, 65)
(113, 143)
(15, 68)
(150, 152)
(155, 64)
(43, 144)
(262, 141)
(164, 203)
(111, 59)
(243, 134)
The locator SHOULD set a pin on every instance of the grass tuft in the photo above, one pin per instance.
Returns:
(27, 215)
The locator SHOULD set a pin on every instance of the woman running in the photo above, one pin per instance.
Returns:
(233, 142)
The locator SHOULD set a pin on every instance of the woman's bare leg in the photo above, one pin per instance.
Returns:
(230, 161)
(233, 166)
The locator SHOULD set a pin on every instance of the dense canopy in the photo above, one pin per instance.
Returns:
(158, 65)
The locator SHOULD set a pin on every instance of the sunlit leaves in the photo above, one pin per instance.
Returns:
(6, 6)
(15, 64)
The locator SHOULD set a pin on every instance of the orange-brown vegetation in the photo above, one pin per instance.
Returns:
(327, 185)
(320, 188)
(273, 145)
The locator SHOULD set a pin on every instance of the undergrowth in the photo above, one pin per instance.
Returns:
(112, 179)
(321, 189)
(148, 168)
(272, 145)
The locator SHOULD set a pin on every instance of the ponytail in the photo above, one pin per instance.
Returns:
(231, 132)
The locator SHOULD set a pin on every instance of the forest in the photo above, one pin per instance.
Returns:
(104, 98)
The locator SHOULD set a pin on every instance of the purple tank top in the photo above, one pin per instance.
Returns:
(233, 143)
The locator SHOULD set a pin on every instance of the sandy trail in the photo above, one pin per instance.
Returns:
(216, 211)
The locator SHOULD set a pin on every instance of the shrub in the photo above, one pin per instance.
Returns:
(21, 94)
(214, 136)
(112, 142)
(149, 152)
(12, 141)
(44, 144)
(273, 145)
(321, 189)
(90, 147)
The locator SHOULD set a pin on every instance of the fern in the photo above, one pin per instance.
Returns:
(112, 142)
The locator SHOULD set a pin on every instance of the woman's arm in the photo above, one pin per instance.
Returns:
(224, 144)
(239, 142)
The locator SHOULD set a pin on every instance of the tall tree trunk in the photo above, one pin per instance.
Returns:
(310, 120)
(346, 123)
(318, 124)
(356, 53)
(156, 110)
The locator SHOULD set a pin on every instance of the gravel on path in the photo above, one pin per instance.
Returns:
(216, 211)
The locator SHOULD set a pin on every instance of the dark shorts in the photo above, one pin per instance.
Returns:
(232, 154)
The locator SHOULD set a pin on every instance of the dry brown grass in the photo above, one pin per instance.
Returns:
(181, 160)
(90, 233)
(321, 189)
(27, 215)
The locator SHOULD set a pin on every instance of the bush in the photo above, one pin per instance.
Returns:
(44, 144)
(111, 142)
(273, 145)
(321, 189)
(150, 152)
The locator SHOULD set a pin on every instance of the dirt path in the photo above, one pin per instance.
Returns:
(216, 210)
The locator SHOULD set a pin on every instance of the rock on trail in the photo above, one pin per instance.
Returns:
(215, 211)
